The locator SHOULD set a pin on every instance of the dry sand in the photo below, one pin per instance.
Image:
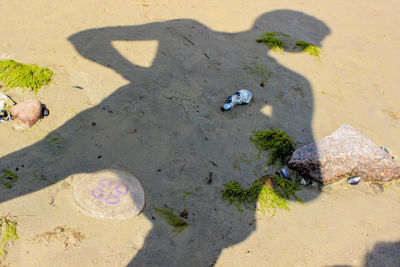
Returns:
(154, 74)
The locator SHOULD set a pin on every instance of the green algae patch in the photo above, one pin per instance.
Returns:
(8, 231)
(15, 74)
(271, 192)
(8, 178)
(313, 50)
(54, 140)
(271, 40)
(261, 71)
(173, 220)
(279, 144)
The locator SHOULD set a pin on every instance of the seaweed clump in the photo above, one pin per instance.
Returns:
(8, 178)
(271, 192)
(173, 220)
(313, 50)
(15, 74)
(8, 231)
(277, 142)
(270, 39)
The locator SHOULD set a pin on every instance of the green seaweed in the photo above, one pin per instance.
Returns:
(270, 39)
(173, 220)
(236, 166)
(55, 140)
(269, 198)
(8, 231)
(262, 71)
(15, 74)
(279, 97)
(278, 143)
(308, 47)
(42, 178)
(186, 194)
(184, 197)
(8, 178)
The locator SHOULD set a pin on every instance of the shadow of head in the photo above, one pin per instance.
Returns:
(89, 43)
(298, 25)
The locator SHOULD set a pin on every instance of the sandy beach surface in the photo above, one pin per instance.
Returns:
(138, 86)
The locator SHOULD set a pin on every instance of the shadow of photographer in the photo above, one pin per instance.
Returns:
(179, 133)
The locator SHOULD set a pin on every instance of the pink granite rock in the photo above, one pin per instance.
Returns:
(343, 154)
(28, 112)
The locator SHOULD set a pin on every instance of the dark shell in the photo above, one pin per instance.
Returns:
(354, 180)
(384, 149)
(45, 112)
(285, 173)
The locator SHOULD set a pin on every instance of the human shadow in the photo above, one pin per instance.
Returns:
(384, 254)
(166, 128)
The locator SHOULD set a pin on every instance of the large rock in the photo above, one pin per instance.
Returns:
(343, 154)
(27, 112)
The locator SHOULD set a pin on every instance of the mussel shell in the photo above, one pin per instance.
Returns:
(384, 149)
(354, 180)
(45, 112)
(285, 173)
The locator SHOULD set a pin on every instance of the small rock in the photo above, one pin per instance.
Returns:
(27, 112)
(303, 182)
(314, 184)
(184, 214)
